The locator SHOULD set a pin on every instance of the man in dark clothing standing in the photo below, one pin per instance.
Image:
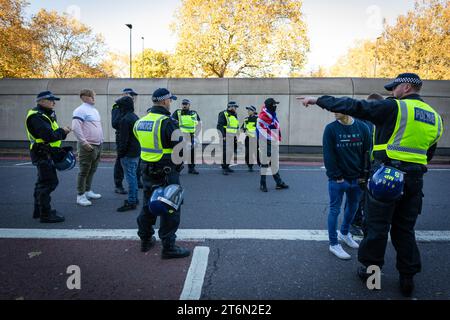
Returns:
(251, 141)
(45, 138)
(345, 142)
(228, 126)
(356, 225)
(116, 114)
(190, 125)
(154, 133)
(128, 151)
(406, 136)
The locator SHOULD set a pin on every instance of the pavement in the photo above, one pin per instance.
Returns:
(246, 244)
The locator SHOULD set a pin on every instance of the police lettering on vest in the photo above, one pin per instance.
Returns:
(417, 128)
(148, 132)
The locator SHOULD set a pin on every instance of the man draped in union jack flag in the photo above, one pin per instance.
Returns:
(269, 135)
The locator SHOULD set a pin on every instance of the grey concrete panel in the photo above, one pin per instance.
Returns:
(198, 86)
(141, 86)
(320, 86)
(364, 87)
(23, 86)
(259, 86)
(434, 88)
(307, 124)
(74, 86)
(13, 110)
(208, 108)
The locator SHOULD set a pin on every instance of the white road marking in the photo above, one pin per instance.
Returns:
(193, 284)
(23, 164)
(194, 234)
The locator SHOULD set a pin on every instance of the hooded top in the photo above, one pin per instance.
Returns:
(127, 144)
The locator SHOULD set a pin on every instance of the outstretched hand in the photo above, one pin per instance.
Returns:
(307, 101)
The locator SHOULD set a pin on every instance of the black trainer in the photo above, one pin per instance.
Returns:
(263, 187)
(120, 190)
(193, 171)
(282, 186)
(174, 252)
(406, 285)
(127, 206)
(356, 230)
(362, 273)
(51, 217)
(147, 244)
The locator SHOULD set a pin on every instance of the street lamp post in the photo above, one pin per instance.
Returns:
(130, 26)
(376, 58)
(143, 56)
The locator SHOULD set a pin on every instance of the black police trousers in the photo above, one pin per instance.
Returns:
(398, 218)
(146, 220)
(191, 163)
(47, 181)
(229, 155)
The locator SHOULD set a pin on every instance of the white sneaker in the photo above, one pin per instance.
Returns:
(92, 195)
(348, 240)
(83, 201)
(339, 252)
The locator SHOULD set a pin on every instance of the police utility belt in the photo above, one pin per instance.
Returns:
(406, 167)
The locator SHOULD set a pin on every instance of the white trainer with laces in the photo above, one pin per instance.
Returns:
(83, 201)
(92, 195)
(339, 252)
(348, 240)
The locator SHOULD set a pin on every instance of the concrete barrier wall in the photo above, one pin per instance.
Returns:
(301, 127)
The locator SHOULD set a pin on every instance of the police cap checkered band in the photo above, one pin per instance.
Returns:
(162, 94)
(404, 78)
(408, 80)
(46, 95)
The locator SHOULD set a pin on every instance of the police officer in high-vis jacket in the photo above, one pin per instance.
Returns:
(45, 137)
(407, 130)
(251, 141)
(228, 126)
(154, 133)
(189, 123)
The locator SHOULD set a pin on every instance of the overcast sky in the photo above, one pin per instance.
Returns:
(333, 26)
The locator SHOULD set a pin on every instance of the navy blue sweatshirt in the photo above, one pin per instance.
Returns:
(344, 147)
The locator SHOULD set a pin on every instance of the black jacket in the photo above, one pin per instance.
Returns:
(222, 121)
(382, 113)
(127, 144)
(41, 128)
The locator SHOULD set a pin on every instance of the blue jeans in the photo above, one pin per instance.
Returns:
(336, 191)
(129, 166)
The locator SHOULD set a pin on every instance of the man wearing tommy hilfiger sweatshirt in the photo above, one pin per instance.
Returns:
(345, 141)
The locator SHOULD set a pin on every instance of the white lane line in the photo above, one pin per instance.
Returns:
(23, 164)
(193, 284)
(194, 234)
